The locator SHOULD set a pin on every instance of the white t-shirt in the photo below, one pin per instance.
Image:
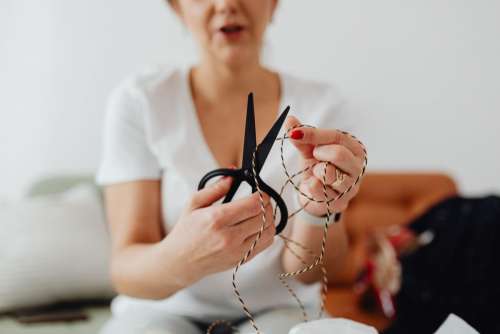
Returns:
(152, 132)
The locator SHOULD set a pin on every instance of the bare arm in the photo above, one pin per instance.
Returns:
(134, 214)
(150, 263)
(310, 236)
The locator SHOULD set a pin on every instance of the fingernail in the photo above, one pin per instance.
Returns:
(297, 134)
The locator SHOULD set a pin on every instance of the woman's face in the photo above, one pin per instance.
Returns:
(228, 31)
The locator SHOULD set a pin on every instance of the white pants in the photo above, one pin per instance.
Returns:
(276, 321)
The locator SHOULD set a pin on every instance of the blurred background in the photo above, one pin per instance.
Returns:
(424, 76)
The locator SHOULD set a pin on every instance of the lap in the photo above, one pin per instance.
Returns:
(275, 321)
(278, 321)
(149, 322)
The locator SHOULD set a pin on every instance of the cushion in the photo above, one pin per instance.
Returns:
(54, 248)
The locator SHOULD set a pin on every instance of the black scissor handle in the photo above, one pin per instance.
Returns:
(238, 176)
(279, 202)
(216, 173)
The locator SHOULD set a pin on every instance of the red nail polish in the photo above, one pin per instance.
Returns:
(297, 134)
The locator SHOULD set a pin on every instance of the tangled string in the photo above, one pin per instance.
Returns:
(318, 260)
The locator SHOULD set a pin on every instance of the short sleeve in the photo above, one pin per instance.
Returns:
(126, 153)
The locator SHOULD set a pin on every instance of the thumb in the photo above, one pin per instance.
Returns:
(206, 196)
(291, 125)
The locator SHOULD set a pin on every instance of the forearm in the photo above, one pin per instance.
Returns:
(311, 236)
(135, 271)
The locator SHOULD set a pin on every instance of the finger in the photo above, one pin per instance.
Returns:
(305, 149)
(206, 196)
(331, 178)
(346, 185)
(340, 156)
(316, 136)
(237, 211)
(325, 175)
(307, 167)
(266, 239)
(314, 189)
(268, 230)
(253, 225)
(267, 233)
(341, 187)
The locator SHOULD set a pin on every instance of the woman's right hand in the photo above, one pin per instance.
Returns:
(213, 238)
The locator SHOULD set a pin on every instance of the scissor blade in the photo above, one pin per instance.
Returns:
(250, 141)
(268, 141)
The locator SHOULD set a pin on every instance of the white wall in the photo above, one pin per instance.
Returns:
(424, 75)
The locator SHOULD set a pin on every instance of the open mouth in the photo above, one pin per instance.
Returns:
(231, 29)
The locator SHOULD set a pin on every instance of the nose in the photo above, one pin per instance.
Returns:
(226, 6)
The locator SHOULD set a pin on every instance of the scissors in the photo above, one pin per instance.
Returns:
(245, 173)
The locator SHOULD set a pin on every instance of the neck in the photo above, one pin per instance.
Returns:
(212, 81)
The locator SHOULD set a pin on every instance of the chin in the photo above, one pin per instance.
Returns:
(237, 57)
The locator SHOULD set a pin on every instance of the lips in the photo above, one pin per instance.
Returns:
(231, 28)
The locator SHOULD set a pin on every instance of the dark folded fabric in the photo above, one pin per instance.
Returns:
(458, 272)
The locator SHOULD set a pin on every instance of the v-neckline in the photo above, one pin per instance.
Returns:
(197, 132)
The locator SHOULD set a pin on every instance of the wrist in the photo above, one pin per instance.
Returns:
(314, 220)
(175, 265)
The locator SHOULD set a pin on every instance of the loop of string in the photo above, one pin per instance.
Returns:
(319, 260)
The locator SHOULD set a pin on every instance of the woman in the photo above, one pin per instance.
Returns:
(173, 251)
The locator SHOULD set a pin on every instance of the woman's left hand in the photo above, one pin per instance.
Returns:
(346, 159)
